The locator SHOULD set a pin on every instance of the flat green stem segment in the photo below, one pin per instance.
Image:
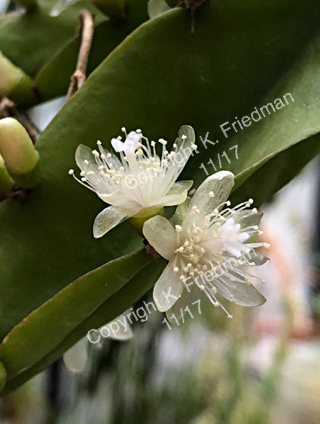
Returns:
(30, 38)
(3, 375)
(242, 55)
(46, 327)
(109, 310)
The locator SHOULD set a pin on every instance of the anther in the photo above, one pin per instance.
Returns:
(175, 269)
(178, 228)
(71, 171)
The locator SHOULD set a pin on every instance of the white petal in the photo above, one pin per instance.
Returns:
(119, 199)
(168, 289)
(186, 137)
(179, 187)
(177, 194)
(161, 235)
(188, 298)
(220, 184)
(182, 210)
(108, 219)
(76, 358)
(247, 218)
(84, 153)
(184, 141)
(242, 293)
(112, 198)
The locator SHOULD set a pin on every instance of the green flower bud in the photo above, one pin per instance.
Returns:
(115, 9)
(19, 154)
(14, 83)
(5, 179)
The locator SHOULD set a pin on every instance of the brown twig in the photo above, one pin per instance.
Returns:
(86, 31)
(192, 6)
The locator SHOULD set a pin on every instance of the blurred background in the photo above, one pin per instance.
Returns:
(262, 367)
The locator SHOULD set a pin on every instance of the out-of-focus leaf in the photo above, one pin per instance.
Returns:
(41, 331)
(109, 310)
(30, 38)
(106, 37)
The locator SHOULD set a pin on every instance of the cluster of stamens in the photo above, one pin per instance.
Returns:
(193, 259)
(108, 174)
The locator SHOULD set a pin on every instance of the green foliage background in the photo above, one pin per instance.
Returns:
(242, 54)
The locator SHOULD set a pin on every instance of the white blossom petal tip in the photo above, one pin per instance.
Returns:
(161, 235)
(213, 248)
(140, 178)
(108, 219)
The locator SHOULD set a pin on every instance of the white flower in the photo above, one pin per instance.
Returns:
(140, 183)
(208, 248)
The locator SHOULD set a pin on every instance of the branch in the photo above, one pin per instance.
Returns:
(86, 31)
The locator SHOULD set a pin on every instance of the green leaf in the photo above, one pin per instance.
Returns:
(110, 309)
(30, 38)
(106, 37)
(46, 327)
(161, 77)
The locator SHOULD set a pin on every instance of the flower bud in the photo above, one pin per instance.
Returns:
(5, 179)
(14, 83)
(114, 9)
(19, 154)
